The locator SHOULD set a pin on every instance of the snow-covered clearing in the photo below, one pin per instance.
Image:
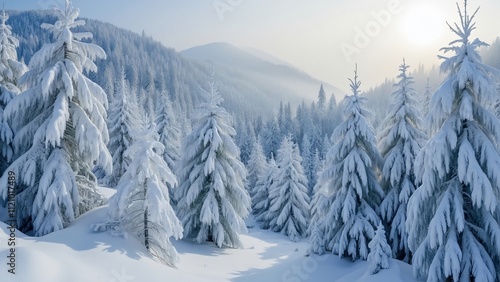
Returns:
(76, 254)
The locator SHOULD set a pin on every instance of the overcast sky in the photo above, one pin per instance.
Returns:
(322, 37)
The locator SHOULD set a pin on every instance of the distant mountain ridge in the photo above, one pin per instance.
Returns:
(247, 88)
(260, 67)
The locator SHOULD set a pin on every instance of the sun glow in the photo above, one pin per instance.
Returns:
(422, 24)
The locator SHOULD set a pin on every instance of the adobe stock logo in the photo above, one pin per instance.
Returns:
(222, 7)
(373, 28)
(49, 4)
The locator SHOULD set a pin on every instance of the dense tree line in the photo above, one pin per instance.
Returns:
(183, 166)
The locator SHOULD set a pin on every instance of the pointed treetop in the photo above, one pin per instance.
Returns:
(355, 84)
(467, 24)
(403, 68)
(5, 17)
(67, 21)
(464, 30)
(214, 97)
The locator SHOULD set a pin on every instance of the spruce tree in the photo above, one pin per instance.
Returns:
(212, 200)
(400, 141)
(60, 130)
(124, 122)
(11, 71)
(427, 99)
(141, 205)
(321, 100)
(260, 200)
(350, 181)
(256, 167)
(288, 199)
(167, 127)
(380, 251)
(453, 216)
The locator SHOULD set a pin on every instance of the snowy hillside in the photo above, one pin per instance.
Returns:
(278, 78)
(220, 170)
(76, 254)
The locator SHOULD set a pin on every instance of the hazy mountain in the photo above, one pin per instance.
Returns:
(253, 87)
(274, 76)
(268, 57)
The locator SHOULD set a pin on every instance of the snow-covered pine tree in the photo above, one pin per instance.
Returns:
(380, 251)
(320, 203)
(310, 168)
(321, 106)
(260, 200)
(11, 71)
(256, 167)
(400, 141)
(60, 130)
(212, 199)
(271, 137)
(288, 199)
(141, 205)
(426, 99)
(453, 225)
(167, 126)
(349, 178)
(124, 120)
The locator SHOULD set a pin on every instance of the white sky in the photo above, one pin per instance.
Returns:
(308, 34)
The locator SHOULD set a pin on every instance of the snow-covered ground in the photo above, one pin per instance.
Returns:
(76, 254)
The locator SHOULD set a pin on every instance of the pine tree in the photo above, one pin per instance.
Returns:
(452, 222)
(256, 166)
(309, 164)
(400, 141)
(141, 205)
(270, 137)
(10, 72)
(168, 128)
(321, 100)
(320, 203)
(260, 200)
(427, 99)
(288, 199)
(351, 183)
(124, 122)
(380, 251)
(60, 130)
(212, 200)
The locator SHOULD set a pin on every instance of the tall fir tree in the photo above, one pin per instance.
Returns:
(168, 128)
(288, 199)
(400, 140)
(256, 166)
(124, 122)
(427, 99)
(271, 137)
(351, 183)
(141, 205)
(212, 199)
(260, 200)
(320, 203)
(321, 100)
(11, 71)
(60, 130)
(453, 216)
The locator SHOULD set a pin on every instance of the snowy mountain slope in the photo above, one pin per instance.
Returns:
(78, 255)
(268, 57)
(262, 69)
(146, 60)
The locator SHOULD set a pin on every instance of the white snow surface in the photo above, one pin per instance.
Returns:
(78, 255)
